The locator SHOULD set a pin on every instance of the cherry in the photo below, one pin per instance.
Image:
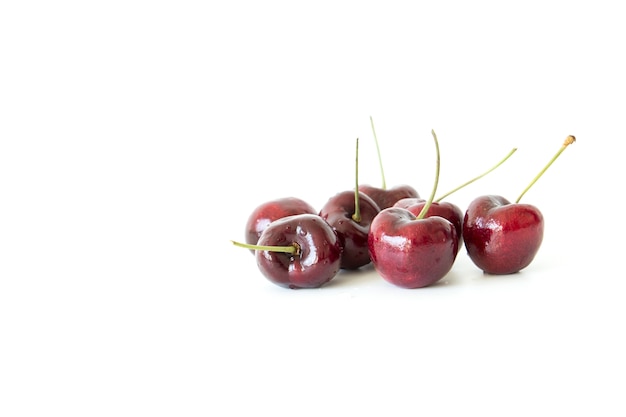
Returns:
(350, 213)
(413, 251)
(383, 196)
(386, 197)
(298, 251)
(503, 237)
(267, 212)
(447, 210)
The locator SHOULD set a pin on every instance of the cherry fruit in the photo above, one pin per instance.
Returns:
(298, 251)
(503, 237)
(387, 197)
(447, 210)
(412, 251)
(352, 228)
(266, 213)
(351, 213)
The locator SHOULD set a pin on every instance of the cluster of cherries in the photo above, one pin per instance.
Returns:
(412, 242)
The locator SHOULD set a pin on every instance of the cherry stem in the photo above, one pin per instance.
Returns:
(293, 249)
(478, 177)
(356, 216)
(568, 141)
(426, 207)
(380, 160)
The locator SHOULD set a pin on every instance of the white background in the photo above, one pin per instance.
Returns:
(136, 137)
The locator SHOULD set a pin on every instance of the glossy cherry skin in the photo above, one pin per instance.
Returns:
(386, 198)
(272, 210)
(410, 252)
(448, 211)
(338, 212)
(501, 237)
(318, 258)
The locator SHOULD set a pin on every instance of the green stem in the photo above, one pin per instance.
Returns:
(293, 249)
(568, 141)
(478, 177)
(426, 207)
(380, 160)
(356, 216)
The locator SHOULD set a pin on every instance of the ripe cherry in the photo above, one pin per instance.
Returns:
(350, 214)
(266, 213)
(298, 251)
(413, 251)
(503, 237)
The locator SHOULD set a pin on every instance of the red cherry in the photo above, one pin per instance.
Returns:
(500, 237)
(448, 211)
(339, 213)
(299, 251)
(387, 197)
(410, 252)
(413, 251)
(503, 237)
(350, 214)
(266, 213)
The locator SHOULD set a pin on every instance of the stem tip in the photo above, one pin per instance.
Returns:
(569, 140)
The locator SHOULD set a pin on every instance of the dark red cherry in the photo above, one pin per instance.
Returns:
(315, 261)
(339, 212)
(266, 213)
(500, 237)
(387, 197)
(503, 237)
(410, 252)
(448, 211)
